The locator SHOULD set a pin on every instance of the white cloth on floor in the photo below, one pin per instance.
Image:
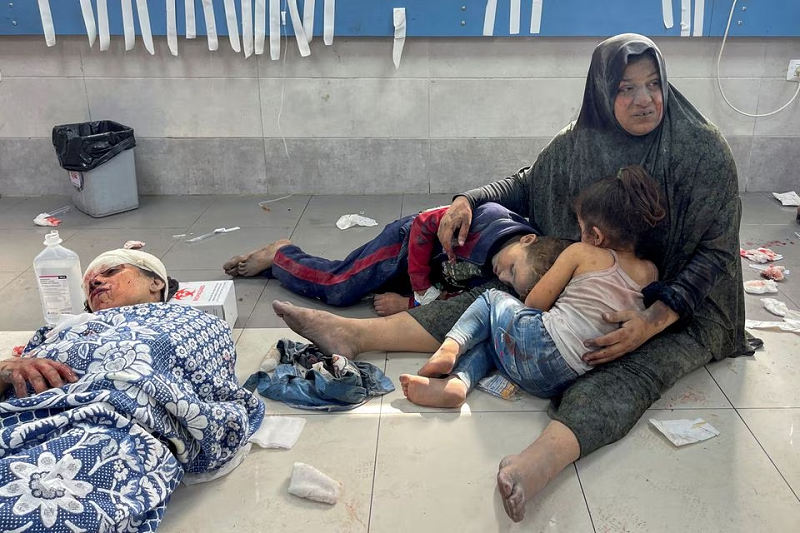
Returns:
(308, 482)
(227, 468)
(279, 432)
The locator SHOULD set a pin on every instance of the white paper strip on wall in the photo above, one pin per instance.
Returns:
(127, 24)
(211, 25)
(191, 23)
(686, 17)
(666, 12)
(297, 26)
(329, 15)
(102, 25)
(233, 25)
(275, 29)
(308, 18)
(88, 21)
(247, 27)
(399, 19)
(536, 17)
(47, 22)
(699, 12)
(144, 25)
(489, 16)
(513, 24)
(260, 26)
(172, 28)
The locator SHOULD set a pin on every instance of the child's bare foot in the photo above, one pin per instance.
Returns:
(253, 263)
(449, 392)
(389, 303)
(231, 267)
(442, 361)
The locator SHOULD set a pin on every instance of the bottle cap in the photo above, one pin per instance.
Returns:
(52, 238)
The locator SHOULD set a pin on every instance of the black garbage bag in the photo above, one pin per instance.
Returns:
(85, 146)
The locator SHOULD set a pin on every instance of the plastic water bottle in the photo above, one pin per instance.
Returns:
(58, 275)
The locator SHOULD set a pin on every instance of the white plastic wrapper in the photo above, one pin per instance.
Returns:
(681, 432)
(348, 221)
(760, 286)
(787, 198)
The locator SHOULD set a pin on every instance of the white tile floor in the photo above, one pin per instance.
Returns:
(406, 468)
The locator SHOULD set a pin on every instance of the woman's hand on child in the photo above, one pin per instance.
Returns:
(635, 328)
(458, 218)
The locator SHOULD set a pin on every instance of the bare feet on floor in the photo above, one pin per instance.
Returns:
(324, 329)
(442, 361)
(522, 476)
(390, 303)
(446, 392)
(253, 263)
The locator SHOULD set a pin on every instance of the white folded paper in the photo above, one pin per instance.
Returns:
(681, 432)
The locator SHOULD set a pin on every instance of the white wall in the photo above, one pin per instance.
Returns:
(458, 113)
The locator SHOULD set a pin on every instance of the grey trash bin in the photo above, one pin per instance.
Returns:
(99, 158)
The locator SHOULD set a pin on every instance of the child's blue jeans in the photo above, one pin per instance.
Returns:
(498, 331)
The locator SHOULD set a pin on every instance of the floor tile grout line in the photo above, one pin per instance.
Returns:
(778, 470)
(375, 467)
(736, 410)
(583, 493)
(264, 289)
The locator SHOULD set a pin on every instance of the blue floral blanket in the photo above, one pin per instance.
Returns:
(156, 398)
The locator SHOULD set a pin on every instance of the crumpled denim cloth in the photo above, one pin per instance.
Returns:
(308, 379)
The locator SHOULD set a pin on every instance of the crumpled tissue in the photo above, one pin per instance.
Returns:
(681, 432)
(776, 307)
(348, 221)
(787, 198)
(46, 219)
(308, 482)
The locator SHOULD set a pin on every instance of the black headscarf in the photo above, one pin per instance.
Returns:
(696, 247)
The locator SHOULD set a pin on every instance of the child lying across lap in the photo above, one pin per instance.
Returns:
(539, 345)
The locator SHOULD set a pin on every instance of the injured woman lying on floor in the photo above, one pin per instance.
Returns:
(103, 415)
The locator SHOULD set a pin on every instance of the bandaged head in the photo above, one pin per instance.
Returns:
(113, 258)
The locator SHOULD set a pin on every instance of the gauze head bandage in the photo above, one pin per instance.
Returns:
(114, 258)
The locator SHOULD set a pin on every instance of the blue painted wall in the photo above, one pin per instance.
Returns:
(448, 18)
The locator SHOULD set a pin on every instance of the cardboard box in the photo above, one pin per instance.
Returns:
(216, 298)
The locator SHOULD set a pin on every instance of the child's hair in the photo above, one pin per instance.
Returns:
(541, 254)
(623, 206)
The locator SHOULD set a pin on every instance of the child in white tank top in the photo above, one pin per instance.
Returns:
(540, 345)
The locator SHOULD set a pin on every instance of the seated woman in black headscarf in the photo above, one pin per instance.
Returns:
(694, 315)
